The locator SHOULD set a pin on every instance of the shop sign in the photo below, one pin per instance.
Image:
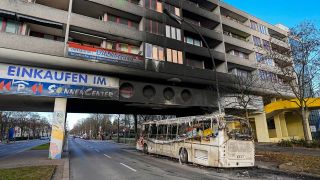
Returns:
(34, 81)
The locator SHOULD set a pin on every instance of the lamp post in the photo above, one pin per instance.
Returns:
(180, 20)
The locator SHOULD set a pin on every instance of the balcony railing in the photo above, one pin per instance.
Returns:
(235, 36)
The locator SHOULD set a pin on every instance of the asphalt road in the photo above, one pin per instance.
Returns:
(14, 148)
(97, 160)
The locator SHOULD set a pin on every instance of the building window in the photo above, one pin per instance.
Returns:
(1, 23)
(123, 21)
(193, 41)
(122, 47)
(154, 52)
(195, 63)
(154, 5)
(12, 27)
(174, 56)
(254, 25)
(259, 57)
(172, 9)
(263, 29)
(270, 62)
(268, 76)
(239, 54)
(266, 44)
(240, 72)
(257, 41)
(172, 32)
(154, 27)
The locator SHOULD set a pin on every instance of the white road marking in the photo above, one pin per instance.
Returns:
(128, 167)
(107, 156)
(96, 150)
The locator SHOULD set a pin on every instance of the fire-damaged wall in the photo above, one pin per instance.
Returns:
(150, 93)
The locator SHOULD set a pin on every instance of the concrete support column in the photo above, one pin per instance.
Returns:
(261, 127)
(58, 128)
(277, 123)
(309, 130)
(283, 124)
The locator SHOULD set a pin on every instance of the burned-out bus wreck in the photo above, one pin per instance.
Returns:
(215, 140)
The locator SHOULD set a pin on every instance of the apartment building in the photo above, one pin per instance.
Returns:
(159, 64)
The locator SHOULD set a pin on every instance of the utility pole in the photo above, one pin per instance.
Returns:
(136, 126)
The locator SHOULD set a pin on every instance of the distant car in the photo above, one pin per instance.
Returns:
(44, 138)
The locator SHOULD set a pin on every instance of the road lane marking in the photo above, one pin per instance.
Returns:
(128, 167)
(107, 156)
(96, 150)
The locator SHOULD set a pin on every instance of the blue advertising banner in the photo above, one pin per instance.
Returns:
(51, 83)
(105, 56)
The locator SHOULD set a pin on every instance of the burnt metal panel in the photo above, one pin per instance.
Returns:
(199, 97)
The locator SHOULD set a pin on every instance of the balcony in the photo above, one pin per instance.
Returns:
(203, 51)
(205, 13)
(34, 11)
(58, 4)
(280, 42)
(241, 43)
(105, 29)
(31, 44)
(208, 5)
(124, 6)
(236, 24)
(240, 61)
(212, 34)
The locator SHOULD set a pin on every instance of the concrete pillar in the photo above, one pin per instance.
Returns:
(283, 125)
(309, 130)
(261, 127)
(277, 124)
(58, 128)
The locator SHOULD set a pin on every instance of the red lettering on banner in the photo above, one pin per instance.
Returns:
(8, 86)
(40, 88)
(36, 88)
(1, 85)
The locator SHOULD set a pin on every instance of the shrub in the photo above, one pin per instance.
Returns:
(299, 143)
(285, 143)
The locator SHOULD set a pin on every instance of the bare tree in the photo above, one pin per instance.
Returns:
(240, 95)
(301, 64)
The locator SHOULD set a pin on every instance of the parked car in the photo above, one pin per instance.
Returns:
(44, 138)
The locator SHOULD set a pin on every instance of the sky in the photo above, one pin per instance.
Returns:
(286, 12)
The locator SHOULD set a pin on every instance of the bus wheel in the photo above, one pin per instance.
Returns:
(145, 148)
(183, 156)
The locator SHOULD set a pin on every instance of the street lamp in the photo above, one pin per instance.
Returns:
(180, 20)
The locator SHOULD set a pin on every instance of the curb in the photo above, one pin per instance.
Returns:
(66, 172)
(284, 171)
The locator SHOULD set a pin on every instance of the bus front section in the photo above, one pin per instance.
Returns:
(236, 144)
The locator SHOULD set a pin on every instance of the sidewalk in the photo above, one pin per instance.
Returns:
(297, 160)
(293, 150)
(33, 158)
